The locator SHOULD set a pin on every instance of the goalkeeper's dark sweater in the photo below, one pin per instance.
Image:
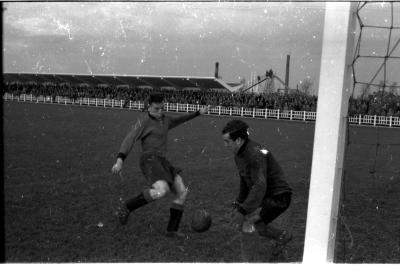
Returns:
(260, 176)
(153, 133)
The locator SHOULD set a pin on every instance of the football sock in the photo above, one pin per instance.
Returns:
(137, 202)
(176, 212)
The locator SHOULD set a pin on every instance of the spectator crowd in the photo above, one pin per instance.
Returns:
(381, 103)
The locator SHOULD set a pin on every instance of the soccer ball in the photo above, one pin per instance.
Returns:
(201, 221)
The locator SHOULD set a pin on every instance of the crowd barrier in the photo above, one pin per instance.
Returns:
(368, 120)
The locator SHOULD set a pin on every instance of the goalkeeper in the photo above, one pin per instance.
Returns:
(263, 193)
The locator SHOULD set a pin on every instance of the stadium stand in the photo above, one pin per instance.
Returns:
(379, 103)
(185, 90)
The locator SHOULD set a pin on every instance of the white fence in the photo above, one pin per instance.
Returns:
(217, 110)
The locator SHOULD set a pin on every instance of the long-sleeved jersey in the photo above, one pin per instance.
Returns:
(260, 176)
(153, 133)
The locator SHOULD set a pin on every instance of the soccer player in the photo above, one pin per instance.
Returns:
(152, 131)
(263, 193)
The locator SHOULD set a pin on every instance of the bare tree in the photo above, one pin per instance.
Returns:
(269, 86)
(364, 91)
(306, 86)
(243, 81)
(394, 89)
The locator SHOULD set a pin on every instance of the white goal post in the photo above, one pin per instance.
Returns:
(330, 129)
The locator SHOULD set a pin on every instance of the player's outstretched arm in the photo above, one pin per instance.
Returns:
(175, 121)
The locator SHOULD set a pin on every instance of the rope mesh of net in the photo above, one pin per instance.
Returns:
(346, 219)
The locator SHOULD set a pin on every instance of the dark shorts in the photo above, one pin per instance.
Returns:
(274, 206)
(155, 168)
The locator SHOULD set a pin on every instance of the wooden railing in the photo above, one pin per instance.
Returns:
(367, 120)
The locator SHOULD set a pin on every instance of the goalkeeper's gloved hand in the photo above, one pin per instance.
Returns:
(237, 221)
(235, 204)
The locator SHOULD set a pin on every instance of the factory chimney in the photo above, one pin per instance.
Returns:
(287, 71)
(216, 69)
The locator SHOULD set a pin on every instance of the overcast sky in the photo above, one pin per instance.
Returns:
(139, 38)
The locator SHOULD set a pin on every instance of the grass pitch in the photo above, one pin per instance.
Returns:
(60, 194)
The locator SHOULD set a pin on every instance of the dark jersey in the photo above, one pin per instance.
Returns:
(153, 133)
(260, 176)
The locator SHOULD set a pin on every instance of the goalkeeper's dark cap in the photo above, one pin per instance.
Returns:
(156, 97)
(236, 128)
